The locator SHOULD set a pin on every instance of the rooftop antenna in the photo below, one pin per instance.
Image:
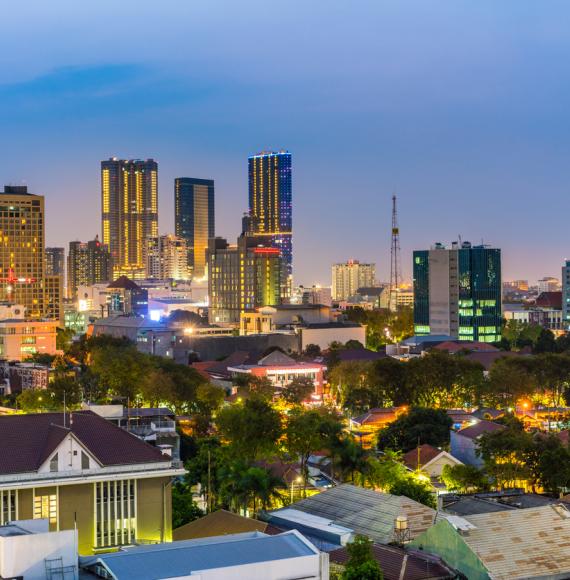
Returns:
(395, 277)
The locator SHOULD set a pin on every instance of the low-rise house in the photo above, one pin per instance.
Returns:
(29, 550)
(78, 470)
(251, 556)
(355, 510)
(429, 460)
(281, 369)
(397, 563)
(529, 544)
(365, 427)
(464, 443)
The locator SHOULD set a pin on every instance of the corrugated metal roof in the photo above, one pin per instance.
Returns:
(182, 558)
(367, 511)
(519, 544)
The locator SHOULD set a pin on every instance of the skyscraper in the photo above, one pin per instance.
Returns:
(55, 261)
(270, 205)
(23, 278)
(242, 277)
(167, 258)
(88, 263)
(457, 292)
(194, 218)
(129, 205)
(348, 277)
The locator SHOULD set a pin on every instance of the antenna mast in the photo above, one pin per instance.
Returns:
(395, 276)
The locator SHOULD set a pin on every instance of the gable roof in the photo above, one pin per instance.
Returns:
(427, 453)
(276, 358)
(367, 512)
(487, 358)
(399, 564)
(549, 300)
(475, 431)
(378, 415)
(218, 523)
(516, 544)
(26, 441)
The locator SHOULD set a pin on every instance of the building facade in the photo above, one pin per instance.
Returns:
(55, 262)
(349, 276)
(23, 278)
(457, 292)
(194, 218)
(167, 258)
(88, 263)
(566, 295)
(242, 277)
(129, 204)
(270, 206)
(79, 471)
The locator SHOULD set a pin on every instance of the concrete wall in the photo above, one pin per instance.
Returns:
(324, 336)
(434, 469)
(76, 505)
(154, 509)
(439, 300)
(24, 555)
(217, 347)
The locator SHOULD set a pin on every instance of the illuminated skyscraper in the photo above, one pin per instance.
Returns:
(194, 218)
(55, 261)
(270, 205)
(129, 205)
(23, 278)
(88, 263)
(167, 258)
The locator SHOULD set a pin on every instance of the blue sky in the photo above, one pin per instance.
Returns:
(460, 107)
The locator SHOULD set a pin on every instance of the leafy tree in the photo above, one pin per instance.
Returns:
(298, 390)
(252, 428)
(262, 487)
(65, 390)
(361, 564)
(63, 339)
(349, 459)
(549, 462)
(464, 478)
(388, 383)
(252, 386)
(184, 508)
(546, 342)
(312, 351)
(34, 401)
(186, 318)
(511, 378)
(351, 381)
(414, 489)
(353, 345)
(552, 375)
(419, 425)
(384, 471)
(209, 398)
(205, 467)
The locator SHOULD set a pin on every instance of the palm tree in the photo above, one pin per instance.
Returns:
(262, 486)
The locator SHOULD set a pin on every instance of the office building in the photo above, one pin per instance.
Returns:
(242, 277)
(79, 471)
(23, 278)
(270, 206)
(123, 296)
(129, 203)
(167, 258)
(349, 276)
(566, 295)
(548, 284)
(88, 263)
(194, 218)
(457, 292)
(55, 262)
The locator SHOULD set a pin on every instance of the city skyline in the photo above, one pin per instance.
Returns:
(468, 145)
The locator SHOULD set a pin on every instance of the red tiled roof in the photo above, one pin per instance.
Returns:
(549, 300)
(395, 565)
(453, 347)
(427, 453)
(474, 431)
(377, 415)
(26, 441)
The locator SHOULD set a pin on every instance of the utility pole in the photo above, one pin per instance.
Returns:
(395, 276)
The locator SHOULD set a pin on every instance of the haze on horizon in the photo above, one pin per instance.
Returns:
(459, 107)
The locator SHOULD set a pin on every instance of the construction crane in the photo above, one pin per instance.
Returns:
(395, 275)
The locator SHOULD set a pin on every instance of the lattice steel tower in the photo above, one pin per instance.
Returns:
(395, 276)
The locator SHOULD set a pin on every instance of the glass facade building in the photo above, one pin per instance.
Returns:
(457, 292)
(129, 203)
(194, 218)
(270, 205)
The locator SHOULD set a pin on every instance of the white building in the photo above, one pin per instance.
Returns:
(349, 276)
(549, 284)
(167, 258)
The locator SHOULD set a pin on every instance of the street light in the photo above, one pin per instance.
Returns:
(298, 480)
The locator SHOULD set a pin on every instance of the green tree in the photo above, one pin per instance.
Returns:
(510, 379)
(63, 339)
(65, 390)
(361, 564)
(464, 478)
(205, 468)
(384, 471)
(351, 381)
(549, 462)
(414, 489)
(298, 390)
(388, 383)
(34, 401)
(252, 428)
(312, 351)
(419, 425)
(184, 508)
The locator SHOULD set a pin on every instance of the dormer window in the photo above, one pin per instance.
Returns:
(53, 463)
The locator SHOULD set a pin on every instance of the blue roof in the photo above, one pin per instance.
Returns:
(181, 558)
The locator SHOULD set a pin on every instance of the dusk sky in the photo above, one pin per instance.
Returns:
(460, 107)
